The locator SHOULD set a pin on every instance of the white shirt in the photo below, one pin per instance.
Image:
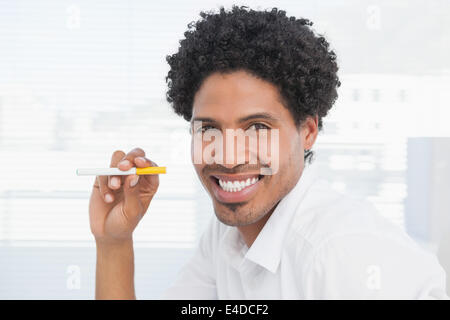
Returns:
(317, 244)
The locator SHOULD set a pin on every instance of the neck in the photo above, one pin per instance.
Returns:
(250, 232)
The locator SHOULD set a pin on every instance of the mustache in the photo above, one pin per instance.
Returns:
(242, 168)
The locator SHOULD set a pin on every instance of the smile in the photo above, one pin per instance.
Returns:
(235, 188)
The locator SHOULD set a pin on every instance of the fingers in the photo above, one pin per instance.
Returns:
(105, 191)
(114, 182)
(132, 206)
(149, 182)
(142, 162)
(106, 184)
(134, 158)
(127, 162)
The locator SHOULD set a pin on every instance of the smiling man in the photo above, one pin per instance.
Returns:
(282, 233)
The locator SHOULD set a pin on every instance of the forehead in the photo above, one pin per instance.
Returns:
(229, 96)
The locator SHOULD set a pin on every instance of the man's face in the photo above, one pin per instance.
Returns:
(240, 101)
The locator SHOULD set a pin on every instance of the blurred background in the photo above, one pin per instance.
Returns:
(80, 79)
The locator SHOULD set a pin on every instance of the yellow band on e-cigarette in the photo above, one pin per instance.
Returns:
(150, 170)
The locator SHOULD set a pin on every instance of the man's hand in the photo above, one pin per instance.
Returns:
(118, 203)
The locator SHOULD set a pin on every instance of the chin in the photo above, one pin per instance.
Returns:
(232, 214)
(237, 214)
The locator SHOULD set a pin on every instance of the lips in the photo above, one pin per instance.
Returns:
(235, 188)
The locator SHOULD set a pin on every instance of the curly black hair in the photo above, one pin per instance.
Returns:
(282, 50)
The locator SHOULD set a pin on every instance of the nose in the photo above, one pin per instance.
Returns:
(238, 148)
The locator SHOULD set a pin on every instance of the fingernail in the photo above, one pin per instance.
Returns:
(115, 182)
(124, 162)
(108, 198)
(134, 181)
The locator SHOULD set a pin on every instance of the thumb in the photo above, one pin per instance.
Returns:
(132, 205)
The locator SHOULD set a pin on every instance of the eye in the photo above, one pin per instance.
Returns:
(258, 126)
(203, 129)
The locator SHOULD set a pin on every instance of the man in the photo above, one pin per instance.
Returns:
(276, 234)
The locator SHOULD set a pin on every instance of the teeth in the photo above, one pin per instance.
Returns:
(237, 186)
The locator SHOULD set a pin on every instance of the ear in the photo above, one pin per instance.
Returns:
(310, 129)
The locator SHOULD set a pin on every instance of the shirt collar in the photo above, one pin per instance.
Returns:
(267, 248)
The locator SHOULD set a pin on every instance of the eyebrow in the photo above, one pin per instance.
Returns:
(262, 115)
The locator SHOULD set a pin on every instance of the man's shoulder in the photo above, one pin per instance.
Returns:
(342, 243)
(326, 214)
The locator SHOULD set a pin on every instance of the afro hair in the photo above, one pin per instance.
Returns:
(282, 50)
